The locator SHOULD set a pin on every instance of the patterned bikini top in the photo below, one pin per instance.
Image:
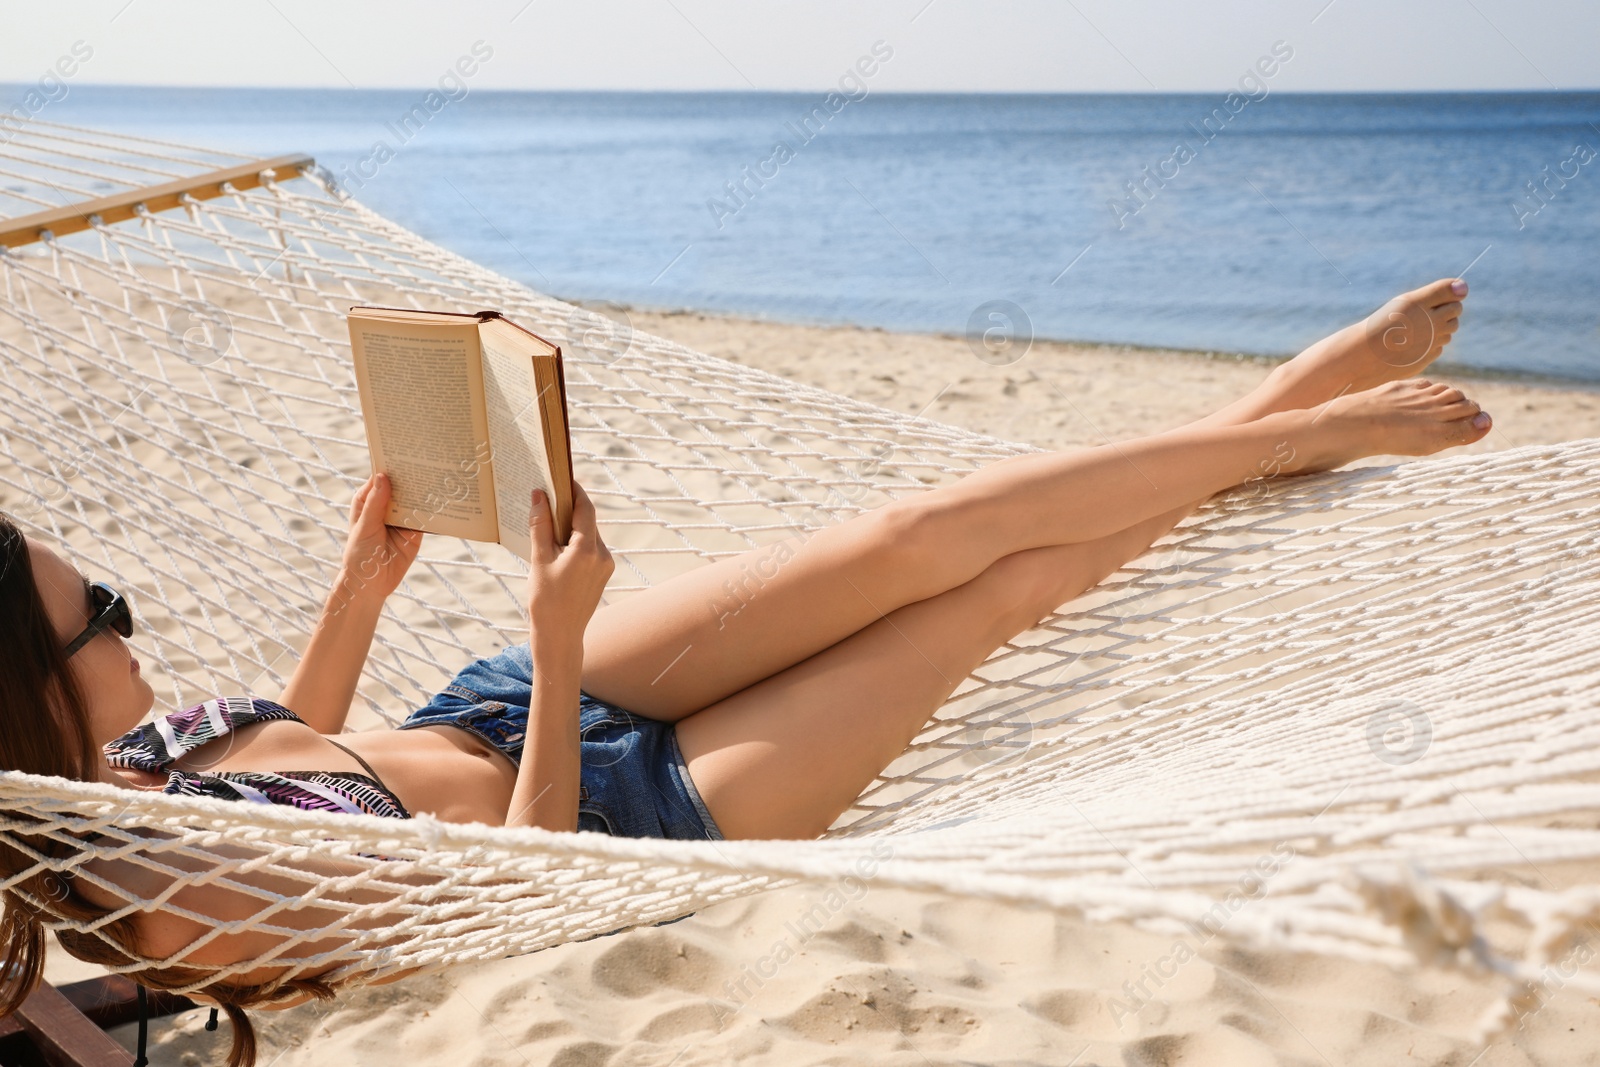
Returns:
(155, 746)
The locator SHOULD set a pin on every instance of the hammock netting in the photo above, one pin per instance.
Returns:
(1353, 713)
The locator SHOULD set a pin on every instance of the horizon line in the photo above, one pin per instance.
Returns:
(734, 91)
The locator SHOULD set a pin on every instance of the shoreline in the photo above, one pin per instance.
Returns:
(1060, 394)
(1444, 367)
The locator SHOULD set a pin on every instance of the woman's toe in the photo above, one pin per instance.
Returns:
(1440, 292)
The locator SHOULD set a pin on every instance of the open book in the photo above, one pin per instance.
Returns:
(468, 415)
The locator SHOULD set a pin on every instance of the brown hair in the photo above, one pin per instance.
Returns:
(36, 686)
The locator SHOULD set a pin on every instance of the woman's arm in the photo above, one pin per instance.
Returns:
(324, 683)
(564, 587)
(375, 559)
(546, 793)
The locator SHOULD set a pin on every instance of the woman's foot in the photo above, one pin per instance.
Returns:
(1398, 340)
(1411, 417)
(1393, 343)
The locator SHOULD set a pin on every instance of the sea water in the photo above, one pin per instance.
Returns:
(1169, 220)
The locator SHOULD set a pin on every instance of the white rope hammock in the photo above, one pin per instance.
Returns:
(1354, 713)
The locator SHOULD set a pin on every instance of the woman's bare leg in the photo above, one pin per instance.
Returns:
(784, 757)
(683, 645)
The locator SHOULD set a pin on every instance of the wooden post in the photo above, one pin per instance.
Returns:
(64, 1027)
(64, 1036)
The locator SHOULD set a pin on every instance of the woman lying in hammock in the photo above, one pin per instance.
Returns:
(659, 716)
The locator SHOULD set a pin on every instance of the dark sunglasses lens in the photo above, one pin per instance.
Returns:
(122, 621)
(119, 618)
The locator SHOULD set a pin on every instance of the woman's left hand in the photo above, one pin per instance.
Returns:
(376, 555)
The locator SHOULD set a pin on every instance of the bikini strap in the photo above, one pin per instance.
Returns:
(370, 772)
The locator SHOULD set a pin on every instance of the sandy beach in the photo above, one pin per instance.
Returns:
(904, 978)
(1059, 395)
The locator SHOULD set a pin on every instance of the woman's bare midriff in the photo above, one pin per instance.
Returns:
(441, 771)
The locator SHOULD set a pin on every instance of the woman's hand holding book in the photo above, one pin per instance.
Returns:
(565, 581)
(376, 555)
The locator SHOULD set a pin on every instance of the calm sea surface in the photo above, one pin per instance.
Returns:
(1266, 229)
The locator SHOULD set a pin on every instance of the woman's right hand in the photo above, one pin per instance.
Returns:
(565, 581)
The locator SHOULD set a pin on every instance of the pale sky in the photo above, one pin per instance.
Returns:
(942, 45)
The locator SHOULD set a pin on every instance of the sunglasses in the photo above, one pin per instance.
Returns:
(108, 610)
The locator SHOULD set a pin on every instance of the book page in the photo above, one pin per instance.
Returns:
(422, 397)
(516, 435)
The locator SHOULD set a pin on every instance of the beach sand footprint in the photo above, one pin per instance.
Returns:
(647, 963)
(584, 1054)
(680, 1022)
(1083, 1013)
(1205, 1050)
(879, 1001)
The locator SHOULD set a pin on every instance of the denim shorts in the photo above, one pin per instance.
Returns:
(633, 781)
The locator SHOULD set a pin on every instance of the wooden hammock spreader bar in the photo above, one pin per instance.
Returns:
(65, 1027)
(53, 1031)
(119, 207)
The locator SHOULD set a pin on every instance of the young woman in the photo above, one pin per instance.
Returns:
(661, 715)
